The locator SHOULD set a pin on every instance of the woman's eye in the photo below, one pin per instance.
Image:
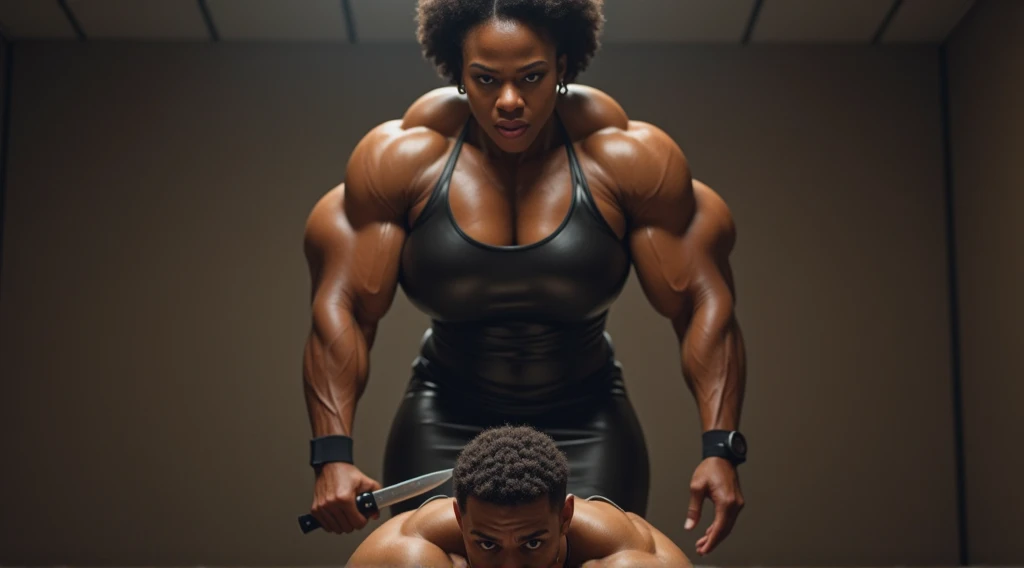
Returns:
(485, 79)
(532, 77)
(534, 544)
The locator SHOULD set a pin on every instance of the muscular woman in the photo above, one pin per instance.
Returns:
(511, 508)
(511, 208)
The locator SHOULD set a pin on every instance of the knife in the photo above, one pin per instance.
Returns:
(370, 503)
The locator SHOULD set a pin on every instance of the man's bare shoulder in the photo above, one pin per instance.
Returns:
(424, 535)
(600, 530)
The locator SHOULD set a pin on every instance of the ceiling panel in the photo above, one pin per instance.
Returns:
(34, 19)
(829, 21)
(690, 21)
(926, 21)
(384, 20)
(279, 20)
(140, 19)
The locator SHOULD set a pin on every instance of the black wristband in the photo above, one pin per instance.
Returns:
(330, 449)
(727, 444)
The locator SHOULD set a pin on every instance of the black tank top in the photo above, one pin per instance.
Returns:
(517, 322)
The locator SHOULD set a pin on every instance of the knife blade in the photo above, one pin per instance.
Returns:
(370, 503)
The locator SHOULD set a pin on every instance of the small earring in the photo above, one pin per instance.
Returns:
(462, 89)
(562, 88)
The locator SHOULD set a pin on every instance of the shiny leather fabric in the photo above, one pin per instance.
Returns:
(532, 313)
(594, 425)
(518, 337)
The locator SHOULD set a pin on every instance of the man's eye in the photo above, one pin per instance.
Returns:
(486, 545)
(534, 544)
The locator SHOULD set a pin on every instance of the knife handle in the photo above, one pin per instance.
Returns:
(365, 502)
(367, 505)
(308, 523)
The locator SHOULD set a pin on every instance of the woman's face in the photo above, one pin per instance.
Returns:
(511, 73)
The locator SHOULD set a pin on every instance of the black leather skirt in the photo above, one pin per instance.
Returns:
(592, 422)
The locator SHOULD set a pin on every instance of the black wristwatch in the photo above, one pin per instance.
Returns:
(728, 444)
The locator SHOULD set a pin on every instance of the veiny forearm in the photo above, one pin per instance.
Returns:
(335, 369)
(714, 362)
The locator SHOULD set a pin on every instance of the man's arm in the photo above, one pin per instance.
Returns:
(681, 235)
(353, 239)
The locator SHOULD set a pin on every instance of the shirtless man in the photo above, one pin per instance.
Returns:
(511, 510)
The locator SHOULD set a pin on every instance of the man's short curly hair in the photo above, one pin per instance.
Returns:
(511, 465)
(575, 26)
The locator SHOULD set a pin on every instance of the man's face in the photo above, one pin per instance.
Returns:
(521, 536)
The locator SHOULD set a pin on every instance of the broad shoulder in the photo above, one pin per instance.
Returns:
(386, 171)
(444, 111)
(425, 535)
(585, 110)
(600, 529)
(435, 522)
(640, 157)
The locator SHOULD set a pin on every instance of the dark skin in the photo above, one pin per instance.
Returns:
(513, 191)
(532, 535)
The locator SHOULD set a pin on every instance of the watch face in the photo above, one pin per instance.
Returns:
(738, 443)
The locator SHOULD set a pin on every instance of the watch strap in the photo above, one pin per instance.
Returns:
(716, 445)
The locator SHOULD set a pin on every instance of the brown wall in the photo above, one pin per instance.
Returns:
(986, 70)
(154, 297)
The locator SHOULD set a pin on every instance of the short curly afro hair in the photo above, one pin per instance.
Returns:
(574, 24)
(511, 465)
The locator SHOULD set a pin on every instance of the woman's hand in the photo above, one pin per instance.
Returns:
(334, 497)
(715, 479)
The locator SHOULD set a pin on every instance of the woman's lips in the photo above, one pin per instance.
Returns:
(512, 130)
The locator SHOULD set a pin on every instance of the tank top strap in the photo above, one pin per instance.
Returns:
(440, 192)
(579, 180)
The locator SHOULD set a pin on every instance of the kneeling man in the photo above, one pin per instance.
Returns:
(511, 510)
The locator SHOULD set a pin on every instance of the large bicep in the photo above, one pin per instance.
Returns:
(353, 267)
(681, 254)
(355, 234)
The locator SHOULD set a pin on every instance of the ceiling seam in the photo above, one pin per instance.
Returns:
(755, 15)
(204, 9)
(350, 22)
(73, 20)
(886, 21)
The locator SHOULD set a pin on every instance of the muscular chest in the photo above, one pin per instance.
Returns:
(515, 206)
(469, 256)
